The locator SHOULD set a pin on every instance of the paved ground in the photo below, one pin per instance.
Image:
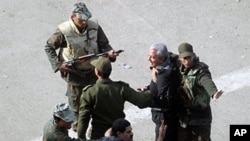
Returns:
(218, 30)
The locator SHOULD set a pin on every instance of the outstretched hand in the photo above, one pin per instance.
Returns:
(217, 95)
(141, 89)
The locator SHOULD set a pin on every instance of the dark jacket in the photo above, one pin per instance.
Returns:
(165, 89)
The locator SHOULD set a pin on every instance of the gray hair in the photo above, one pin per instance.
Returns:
(161, 48)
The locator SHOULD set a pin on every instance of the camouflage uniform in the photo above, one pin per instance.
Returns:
(195, 94)
(92, 40)
(104, 103)
(52, 132)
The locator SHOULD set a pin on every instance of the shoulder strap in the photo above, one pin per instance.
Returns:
(86, 87)
(199, 67)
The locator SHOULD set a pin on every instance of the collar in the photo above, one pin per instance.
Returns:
(165, 65)
(103, 80)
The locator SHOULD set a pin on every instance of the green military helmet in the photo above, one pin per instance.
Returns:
(62, 111)
(185, 50)
(102, 64)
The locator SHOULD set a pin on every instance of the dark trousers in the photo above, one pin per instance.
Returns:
(171, 121)
(195, 133)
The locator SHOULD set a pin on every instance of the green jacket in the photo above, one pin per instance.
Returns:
(104, 103)
(198, 88)
(52, 132)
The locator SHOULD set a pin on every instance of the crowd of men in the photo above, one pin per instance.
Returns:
(179, 92)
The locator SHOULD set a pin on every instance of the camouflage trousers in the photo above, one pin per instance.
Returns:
(194, 133)
(74, 93)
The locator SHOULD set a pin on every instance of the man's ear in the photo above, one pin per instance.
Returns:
(118, 133)
(73, 16)
(57, 120)
(162, 59)
(97, 72)
(108, 132)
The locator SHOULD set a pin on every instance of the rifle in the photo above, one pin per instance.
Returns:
(73, 61)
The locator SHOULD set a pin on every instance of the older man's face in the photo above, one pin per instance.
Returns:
(153, 59)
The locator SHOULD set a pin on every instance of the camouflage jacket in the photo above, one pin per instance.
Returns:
(57, 41)
(52, 132)
(198, 88)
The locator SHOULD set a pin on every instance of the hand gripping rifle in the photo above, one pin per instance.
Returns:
(73, 61)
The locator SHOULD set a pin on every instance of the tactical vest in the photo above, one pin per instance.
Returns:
(79, 44)
(194, 96)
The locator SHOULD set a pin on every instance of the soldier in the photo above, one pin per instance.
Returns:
(56, 129)
(195, 92)
(104, 101)
(80, 35)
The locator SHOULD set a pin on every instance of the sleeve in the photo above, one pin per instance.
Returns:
(84, 114)
(53, 43)
(140, 99)
(102, 40)
(205, 80)
(59, 136)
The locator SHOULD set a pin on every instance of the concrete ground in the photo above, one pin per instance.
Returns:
(218, 30)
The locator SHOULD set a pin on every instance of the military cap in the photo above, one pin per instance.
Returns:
(102, 64)
(185, 49)
(62, 111)
(81, 11)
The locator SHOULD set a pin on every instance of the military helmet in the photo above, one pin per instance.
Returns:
(62, 111)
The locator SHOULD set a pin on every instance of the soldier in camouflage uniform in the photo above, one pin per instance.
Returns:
(56, 129)
(80, 35)
(104, 101)
(195, 94)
